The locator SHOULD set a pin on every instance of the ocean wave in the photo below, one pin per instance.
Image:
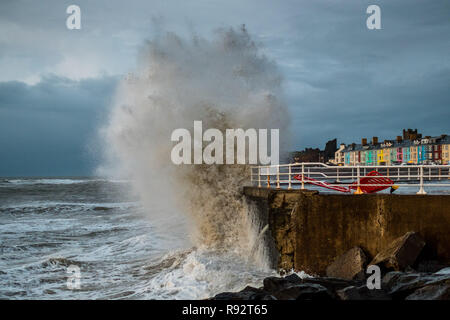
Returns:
(45, 205)
(200, 274)
(57, 181)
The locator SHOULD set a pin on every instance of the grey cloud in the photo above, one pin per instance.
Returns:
(46, 129)
(341, 79)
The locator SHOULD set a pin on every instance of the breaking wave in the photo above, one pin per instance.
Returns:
(226, 82)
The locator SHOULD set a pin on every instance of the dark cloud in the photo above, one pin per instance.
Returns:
(350, 82)
(47, 128)
(342, 80)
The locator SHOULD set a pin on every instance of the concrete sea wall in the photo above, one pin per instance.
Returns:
(308, 230)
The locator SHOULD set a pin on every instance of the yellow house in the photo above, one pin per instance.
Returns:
(413, 154)
(387, 156)
(446, 154)
(380, 157)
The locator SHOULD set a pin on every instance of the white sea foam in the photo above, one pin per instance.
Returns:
(86, 205)
(225, 82)
(46, 181)
(202, 274)
(57, 181)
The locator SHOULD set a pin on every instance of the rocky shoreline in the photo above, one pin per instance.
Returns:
(402, 276)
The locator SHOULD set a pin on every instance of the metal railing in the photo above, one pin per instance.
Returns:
(411, 176)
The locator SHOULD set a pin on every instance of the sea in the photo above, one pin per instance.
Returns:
(88, 238)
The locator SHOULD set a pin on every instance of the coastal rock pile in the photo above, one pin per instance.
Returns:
(346, 278)
(351, 265)
(401, 253)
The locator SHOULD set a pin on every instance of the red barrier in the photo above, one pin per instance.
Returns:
(376, 180)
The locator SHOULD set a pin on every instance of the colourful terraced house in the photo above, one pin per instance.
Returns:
(409, 149)
(406, 155)
(421, 154)
(445, 153)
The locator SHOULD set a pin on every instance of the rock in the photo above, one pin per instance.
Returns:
(432, 292)
(390, 278)
(293, 278)
(443, 271)
(293, 287)
(273, 284)
(406, 284)
(402, 252)
(304, 292)
(351, 265)
(430, 266)
(362, 293)
(332, 284)
(248, 293)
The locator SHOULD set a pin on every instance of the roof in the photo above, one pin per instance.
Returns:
(442, 139)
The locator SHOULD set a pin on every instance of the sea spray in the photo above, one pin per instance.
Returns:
(226, 82)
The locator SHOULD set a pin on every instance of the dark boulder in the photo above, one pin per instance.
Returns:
(402, 252)
(273, 284)
(332, 284)
(439, 291)
(430, 266)
(443, 271)
(399, 286)
(293, 287)
(303, 292)
(362, 293)
(248, 293)
(350, 265)
(389, 279)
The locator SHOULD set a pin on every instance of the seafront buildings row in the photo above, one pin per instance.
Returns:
(410, 148)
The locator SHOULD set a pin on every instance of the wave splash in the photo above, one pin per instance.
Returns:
(226, 82)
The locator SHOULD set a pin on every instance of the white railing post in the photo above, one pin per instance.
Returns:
(303, 176)
(259, 177)
(421, 190)
(290, 173)
(337, 175)
(278, 176)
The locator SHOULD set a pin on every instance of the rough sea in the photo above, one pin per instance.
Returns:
(49, 227)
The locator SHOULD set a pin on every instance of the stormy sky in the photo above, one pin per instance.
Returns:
(341, 79)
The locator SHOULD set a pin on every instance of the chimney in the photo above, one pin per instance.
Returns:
(375, 140)
(364, 141)
(399, 139)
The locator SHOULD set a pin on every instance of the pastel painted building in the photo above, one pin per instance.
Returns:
(446, 153)
(410, 148)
